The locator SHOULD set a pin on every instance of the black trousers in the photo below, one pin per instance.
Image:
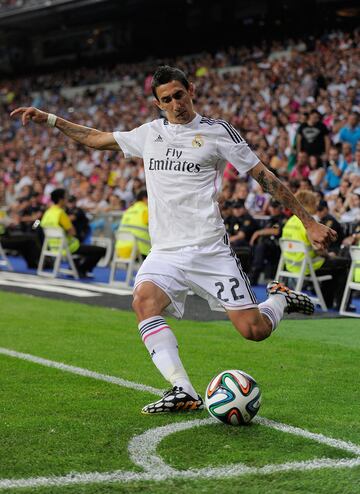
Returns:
(27, 245)
(265, 257)
(333, 289)
(89, 256)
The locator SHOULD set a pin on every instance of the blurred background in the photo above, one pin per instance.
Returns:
(271, 68)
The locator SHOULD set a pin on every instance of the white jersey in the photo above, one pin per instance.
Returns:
(184, 164)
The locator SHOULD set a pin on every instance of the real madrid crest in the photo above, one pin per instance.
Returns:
(198, 141)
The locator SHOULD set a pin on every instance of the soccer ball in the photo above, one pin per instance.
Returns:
(233, 397)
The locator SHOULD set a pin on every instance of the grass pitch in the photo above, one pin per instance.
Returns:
(53, 422)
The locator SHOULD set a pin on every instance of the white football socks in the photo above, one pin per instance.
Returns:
(273, 308)
(163, 348)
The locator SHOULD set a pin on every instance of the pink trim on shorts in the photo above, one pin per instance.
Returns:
(154, 332)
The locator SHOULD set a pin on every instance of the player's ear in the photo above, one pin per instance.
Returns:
(156, 103)
(192, 89)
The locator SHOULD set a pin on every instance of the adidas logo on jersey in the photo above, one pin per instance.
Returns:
(159, 139)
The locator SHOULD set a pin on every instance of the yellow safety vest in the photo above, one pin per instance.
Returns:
(51, 219)
(357, 269)
(295, 230)
(135, 221)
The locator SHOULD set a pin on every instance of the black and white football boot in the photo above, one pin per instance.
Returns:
(296, 301)
(174, 400)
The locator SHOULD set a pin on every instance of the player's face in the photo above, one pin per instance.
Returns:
(176, 101)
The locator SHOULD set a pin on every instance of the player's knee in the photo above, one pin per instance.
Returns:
(144, 304)
(253, 332)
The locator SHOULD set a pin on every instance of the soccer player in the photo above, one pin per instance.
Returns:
(184, 156)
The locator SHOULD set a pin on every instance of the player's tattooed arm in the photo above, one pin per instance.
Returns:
(271, 184)
(319, 235)
(85, 135)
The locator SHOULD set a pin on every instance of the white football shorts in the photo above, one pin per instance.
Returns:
(211, 271)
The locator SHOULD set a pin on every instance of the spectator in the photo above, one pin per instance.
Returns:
(313, 136)
(135, 220)
(55, 217)
(351, 132)
(317, 171)
(323, 262)
(354, 167)
(265, 244)
(242, 226)
(336, 167)
(329, 220)
(301, 168)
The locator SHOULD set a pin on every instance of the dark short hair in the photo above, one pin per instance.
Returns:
(165, 74)
(239, 203)
(275, 204)
(322, 205)
(142, 194)
(57, 194)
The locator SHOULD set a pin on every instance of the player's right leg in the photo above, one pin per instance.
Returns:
(258, 323)
(149, 303)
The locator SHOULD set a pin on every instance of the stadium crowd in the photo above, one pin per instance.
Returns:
(296, 103)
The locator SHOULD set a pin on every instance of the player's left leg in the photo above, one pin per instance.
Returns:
(152, 295)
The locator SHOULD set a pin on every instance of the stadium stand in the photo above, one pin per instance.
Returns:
(267, 92)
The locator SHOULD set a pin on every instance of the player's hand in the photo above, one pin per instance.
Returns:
(29, 113)
(321, 236)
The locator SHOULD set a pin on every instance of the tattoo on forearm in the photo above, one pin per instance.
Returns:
(281, 193)
(77, 132)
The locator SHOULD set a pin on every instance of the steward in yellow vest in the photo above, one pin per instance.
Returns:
(87, 256)
(354, 239)
(135, 220)
(56, 217)
(295, 230)
(324, 263)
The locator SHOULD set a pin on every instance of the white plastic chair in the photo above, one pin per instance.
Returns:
(130, 264)
(350, 283)
(4, 261)
(295, 246)
(57, 255)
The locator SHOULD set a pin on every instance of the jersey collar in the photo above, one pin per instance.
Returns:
(194, 123)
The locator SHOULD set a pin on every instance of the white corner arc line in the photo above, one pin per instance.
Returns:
(80, 371)
(319, 438)
(142, 448)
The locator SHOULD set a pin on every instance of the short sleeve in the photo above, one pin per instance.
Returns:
(234, 149)
(132, 142)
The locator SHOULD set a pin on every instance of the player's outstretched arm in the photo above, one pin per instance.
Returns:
(319, 235)
(85, 135)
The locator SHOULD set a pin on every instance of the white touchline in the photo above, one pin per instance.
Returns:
(142, 448)
(74, 292)
(80, 371)
(62, 282)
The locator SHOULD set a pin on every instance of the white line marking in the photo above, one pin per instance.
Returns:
(80, 371)
(48, 288)
(221, 472)
(319, 438)
(100, 288)
(142, 448)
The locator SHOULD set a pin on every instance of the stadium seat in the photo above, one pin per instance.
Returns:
(350, 283)
(107, 243)
(56, 256)
(4, 261)
(130, 263)
(281, 272)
